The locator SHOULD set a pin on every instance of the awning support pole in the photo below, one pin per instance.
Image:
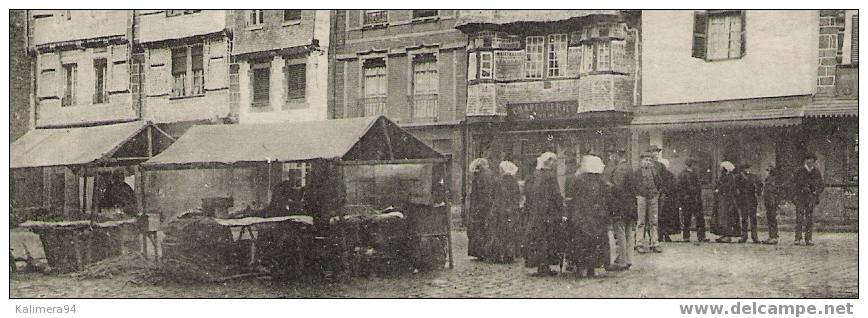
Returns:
(388, 140)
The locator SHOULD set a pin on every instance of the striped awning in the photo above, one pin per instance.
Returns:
(833, 108)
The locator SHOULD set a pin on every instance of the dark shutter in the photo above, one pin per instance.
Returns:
(295, 81)
(261, 83)
(179, 60)
(291, 15)
(196, 57)
(700, 28)
(854, 41)
(743, 28)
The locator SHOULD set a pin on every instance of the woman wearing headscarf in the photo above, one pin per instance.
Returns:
(504, 215)
(481, 197)
(725, 222)
(669, 221)
(589, 217)
(545, 209)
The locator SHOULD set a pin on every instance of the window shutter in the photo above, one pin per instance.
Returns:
(50, 84)
(743, 28)
(159, 77)
(120, 77)
(471, 66)
(619, 56)
(295, 80)
(216, 74)
(700, 28)
(854, 41)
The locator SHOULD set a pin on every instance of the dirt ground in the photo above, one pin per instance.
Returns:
(828, 269)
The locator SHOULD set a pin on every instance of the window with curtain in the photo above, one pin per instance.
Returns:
(197, 69)
(425, 77)
(100, 67)
(179, 72)
(375, 78)
(70, 75)
(255, 17)
(719, 34)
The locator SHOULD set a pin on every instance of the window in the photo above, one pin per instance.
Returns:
(419, 14)
(99, 90)
(486, 65)
(296, 173)
(718, 35)
(291, 15)
(375, 78)
(557, 55)
(70, 75)
(374, 17)
(255, 17)
(533, 66)
(295, 81)
(261, 84)
(188, 72)
(425, 87)
(197, 67)
(604, 55)
(425, 74)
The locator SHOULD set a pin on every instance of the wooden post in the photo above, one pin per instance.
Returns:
(448, 210)
(388, 140)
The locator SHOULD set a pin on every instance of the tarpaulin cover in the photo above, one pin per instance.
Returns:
(285, 142)
(71, 146)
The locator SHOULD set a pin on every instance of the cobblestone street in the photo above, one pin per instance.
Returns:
(828, 269)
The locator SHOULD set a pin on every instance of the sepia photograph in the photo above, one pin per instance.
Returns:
(434, 153)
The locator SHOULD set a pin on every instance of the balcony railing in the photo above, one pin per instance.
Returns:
(423, 107)
(373, 106)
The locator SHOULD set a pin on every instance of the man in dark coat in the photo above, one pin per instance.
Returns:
(773, 193)
(622, 208)
(749, 189)
(725, 217)
(807, 187)
(689, 192)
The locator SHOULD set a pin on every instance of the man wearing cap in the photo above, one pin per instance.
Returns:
(807, 187)
(689, 193)
(773, 193)
(647, 185)
(749, 189)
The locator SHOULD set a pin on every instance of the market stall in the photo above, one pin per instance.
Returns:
(353, 173)
(89, 184)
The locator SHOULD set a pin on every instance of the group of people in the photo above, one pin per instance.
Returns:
(534, 219)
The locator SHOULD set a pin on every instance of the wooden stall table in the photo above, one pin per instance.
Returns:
(247, 226)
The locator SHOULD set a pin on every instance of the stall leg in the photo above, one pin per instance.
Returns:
(145, 244)
(153, 236)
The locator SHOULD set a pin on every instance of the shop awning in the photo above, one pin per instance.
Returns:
(72, 146)
(722, 120)
(833, 108)
(468, 17)
(353, 139)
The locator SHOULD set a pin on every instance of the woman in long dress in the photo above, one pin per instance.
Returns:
(504, 215)
(589, 218)
(669, 221)
(725, 221)
(481, 196)
(545, 209)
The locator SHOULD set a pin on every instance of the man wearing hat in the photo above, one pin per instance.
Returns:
(749, 189)
(689, 192)
(773, 193)
(623, 208)
(668, 220)
(647, 184)
(807, 187)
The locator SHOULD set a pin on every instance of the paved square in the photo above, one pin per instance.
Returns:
(828, 269)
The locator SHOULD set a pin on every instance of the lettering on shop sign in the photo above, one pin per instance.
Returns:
(542, 111)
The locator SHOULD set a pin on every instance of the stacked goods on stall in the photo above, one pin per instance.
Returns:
(196, 248)
(374, 241)
(283, 247)
(70, 245)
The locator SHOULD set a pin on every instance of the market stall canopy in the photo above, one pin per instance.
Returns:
(81, 145)
(352, 139)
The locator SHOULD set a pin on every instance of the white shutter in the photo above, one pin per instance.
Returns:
(119, 53)
(49, 83)
(620, 62)
(159, 76)
(216, 74)
(120, 77)
(471, 66)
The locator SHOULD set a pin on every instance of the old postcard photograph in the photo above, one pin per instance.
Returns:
(434, 153)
